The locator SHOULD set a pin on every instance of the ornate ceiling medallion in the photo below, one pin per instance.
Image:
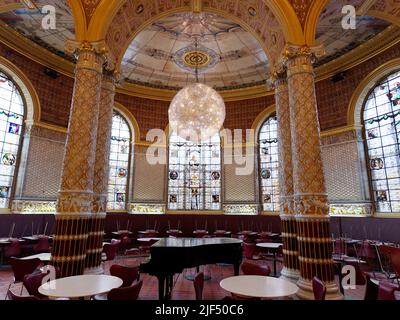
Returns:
(196, 59)
(189, 58)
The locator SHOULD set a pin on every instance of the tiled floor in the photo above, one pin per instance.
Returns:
(183, 289)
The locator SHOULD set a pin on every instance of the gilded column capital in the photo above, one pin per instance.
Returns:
(91, 55)
(300, 59)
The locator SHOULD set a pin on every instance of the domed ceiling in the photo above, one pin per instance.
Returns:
(167, 53)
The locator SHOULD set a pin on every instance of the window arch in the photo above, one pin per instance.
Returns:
(381, 118)
(12, 114)
(268, 168)
(119, 162)
(194, 175)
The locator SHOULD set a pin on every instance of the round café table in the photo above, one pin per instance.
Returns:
(44, 257)
(80, 286)
(272, 246)
(258, 287)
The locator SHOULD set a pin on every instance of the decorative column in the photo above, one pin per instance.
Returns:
(290, 269)
(310, 198)
(101, 173)
(74, 203)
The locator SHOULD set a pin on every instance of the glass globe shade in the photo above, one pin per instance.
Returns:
(197, 112)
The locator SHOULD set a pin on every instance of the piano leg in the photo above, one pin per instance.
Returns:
(161, 292)
(236, 267)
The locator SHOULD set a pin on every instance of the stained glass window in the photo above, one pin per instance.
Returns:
(269, 176)
(194, 176)
(120, 153)
(11, 128)
(382, 132)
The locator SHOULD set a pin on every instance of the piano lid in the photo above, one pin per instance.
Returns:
(193, 242)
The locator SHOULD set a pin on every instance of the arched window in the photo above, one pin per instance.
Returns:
(268, 155)
(12, 113)
(194, 176)
(118, 185)
(382, 132)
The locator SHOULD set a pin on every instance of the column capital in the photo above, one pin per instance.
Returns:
(299, 59)
(278, 79)
(98, 48)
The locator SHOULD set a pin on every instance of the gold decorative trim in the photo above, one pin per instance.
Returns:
(26, 47)
(386, 215)
(184, 212)
(378, 44)
(339, 130)
(25, 85)
(269, 213)
(360, 93)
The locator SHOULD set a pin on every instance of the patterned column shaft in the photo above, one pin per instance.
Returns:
(101, 173)
(289, 231)
(74, 203)
(310, 198)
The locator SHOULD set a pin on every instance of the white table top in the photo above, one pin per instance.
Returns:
(42, 256)
(269, 245)
(80, 286)
(147, 239)
(259, 286)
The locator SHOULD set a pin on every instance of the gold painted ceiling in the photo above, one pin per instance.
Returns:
(165, 54)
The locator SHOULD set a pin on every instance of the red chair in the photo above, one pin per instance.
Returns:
(200, 233)
(387, 290)
(127, 274)
(339, 247)
(12, 296)
(21, 268)
(395, 261)
(319, 289)
(250, 268)
(251, 251)
(111, 250)
(129, 293)
(43, 245)
(32, 282)
(198, 283)
(13, 250)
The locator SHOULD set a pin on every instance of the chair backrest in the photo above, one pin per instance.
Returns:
(13, 250)
(201, 233)
(13, 296)
(395, 261)
(32, 282)
(386, 290)
(128, 293)
(111, 249)
(367, 251)
(43, 245)
(254, 269)
(371, 291)
(198, 283)
(22, 267)
(319, 289)
(249, 249)
(339, 247)
(127, 274)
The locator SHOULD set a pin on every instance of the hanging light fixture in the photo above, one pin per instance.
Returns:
(197, 112)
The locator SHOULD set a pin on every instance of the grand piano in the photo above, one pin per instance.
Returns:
(169, 256)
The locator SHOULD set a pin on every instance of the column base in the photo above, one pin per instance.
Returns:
(290, 275)
(96, 270)
(306, 291)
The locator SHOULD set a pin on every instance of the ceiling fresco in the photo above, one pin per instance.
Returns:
(170, 52)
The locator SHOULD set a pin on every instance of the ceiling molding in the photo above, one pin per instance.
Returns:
(366, 51)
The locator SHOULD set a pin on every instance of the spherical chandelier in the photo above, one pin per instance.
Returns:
(197, 112)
